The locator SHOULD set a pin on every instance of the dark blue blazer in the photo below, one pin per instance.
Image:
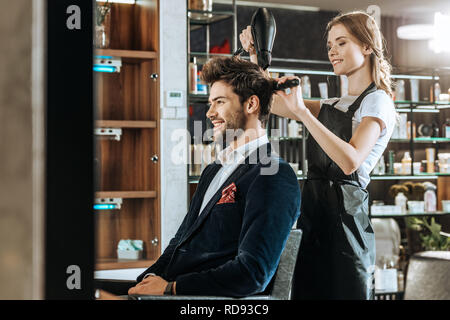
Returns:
(233, 249)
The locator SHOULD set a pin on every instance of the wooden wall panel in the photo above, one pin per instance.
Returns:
(135, 27)
(135, 220)
(126, 164)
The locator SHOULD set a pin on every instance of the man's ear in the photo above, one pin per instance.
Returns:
(252, 105)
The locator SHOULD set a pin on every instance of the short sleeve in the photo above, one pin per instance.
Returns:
(379, 105)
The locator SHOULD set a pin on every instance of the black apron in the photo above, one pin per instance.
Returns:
(336, 259)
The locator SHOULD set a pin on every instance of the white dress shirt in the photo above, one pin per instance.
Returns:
(230, 159)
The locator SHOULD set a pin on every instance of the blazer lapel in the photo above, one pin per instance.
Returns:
(206, 211)
(201, 189)
(240, 170)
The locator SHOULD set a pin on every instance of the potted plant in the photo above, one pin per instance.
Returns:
(430, 233)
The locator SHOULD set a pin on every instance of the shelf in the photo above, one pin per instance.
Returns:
(285, 138)
(209, 55)
(128, 55)
(301, 71)
(407, 110)
(107, 264)
(405, 177)
(432, 174)
(201, 18)
(419, 214)
(125, 124)
(126, 194)
(421, 140)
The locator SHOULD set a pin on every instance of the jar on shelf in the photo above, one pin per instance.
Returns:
(406, 163)
(102, 25)
(400, 90)
(200, 5)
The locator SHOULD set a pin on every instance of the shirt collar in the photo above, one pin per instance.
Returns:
(230, 156)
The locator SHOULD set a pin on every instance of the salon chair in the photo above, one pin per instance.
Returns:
(428, 276)
(279, 289)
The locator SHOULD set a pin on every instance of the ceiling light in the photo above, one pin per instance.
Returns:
(440, 41)
(416, 32)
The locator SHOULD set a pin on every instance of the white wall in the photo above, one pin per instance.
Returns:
(173, 50)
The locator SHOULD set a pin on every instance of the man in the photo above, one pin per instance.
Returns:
(230, 242)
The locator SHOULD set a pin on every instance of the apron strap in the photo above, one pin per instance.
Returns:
(355, 105)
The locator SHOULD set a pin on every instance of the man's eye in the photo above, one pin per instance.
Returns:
(341, 44)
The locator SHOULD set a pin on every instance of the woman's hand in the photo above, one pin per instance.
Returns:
(292, 98)
(246, 39)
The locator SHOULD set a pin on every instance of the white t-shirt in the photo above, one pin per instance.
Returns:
(376, 104)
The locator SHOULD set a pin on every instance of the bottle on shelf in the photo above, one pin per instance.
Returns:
(306, 87)
(400, 90)
(293, 129)
(414, 86)
(437, 91)
(430, 154)
(401, 200)
(195, 160)
(202, 88)
(193, 76)
(446, 128)
(402, 124)
(408, 130)
(386, 273)
(406, 163)
(381, 166)
(344, 85)
(391, 161)
(323, 88)
(429, 197)
(435, 129)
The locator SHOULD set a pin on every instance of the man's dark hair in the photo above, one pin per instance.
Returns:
(246, 79)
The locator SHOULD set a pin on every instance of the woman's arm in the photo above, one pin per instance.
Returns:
(347, 155)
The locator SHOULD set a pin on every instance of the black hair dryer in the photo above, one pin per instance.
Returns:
(263, 28)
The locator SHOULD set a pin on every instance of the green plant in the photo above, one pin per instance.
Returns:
(101, 11)
(431, 235)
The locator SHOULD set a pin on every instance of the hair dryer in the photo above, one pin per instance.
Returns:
(263, 28)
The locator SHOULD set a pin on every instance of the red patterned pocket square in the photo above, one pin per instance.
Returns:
(228, 194)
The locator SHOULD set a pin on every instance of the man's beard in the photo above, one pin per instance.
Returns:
(234, 128)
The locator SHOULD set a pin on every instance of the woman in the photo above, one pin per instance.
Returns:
(347, 137)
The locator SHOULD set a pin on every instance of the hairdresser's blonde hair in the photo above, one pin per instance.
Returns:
(364, 28)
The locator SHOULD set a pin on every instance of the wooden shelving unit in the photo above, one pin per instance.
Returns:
(125, 124)
(126, 194)
(128, 55)
(127, 169)
(108, 264)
